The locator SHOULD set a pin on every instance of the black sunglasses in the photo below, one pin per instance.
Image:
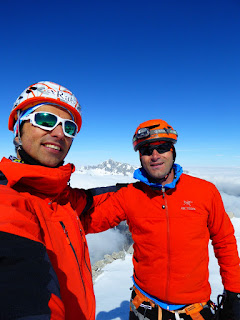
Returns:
(147, 150)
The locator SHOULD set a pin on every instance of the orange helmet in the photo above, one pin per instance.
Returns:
(153, 131)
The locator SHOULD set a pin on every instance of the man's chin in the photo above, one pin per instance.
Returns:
(156, 177)
(51, 163)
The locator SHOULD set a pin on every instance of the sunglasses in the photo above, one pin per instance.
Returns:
(49, 121)
(147, 150)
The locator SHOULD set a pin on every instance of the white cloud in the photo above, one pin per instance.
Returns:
(105, 243)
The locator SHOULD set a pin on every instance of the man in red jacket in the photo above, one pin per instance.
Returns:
(172, 216)
(45, 270)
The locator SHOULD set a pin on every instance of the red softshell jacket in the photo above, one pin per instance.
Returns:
(38, 205)
(171, 230)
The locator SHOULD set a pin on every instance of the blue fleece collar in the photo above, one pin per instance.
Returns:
(141, 174)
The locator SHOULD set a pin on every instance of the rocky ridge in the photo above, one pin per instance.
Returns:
(99, 265)
(109, 167)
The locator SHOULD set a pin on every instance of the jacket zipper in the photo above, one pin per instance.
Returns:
(168, 240)
(74, 252)
(84, 248)
(83, 253)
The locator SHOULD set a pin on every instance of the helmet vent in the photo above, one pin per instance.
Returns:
(30, 89)
(154, 126)
(167, 129)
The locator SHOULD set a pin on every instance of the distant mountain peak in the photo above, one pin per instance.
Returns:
(109, 167)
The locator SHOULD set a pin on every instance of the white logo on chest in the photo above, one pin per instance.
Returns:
(187, 205)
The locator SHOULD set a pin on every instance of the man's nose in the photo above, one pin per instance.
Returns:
(155, 154)
(58, 131)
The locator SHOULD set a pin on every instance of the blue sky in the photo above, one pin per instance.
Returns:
(128, 62)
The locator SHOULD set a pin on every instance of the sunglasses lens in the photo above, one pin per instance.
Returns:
(45, 119)
(70, 128)
(146, 151)
(162, 148)
(48, 120)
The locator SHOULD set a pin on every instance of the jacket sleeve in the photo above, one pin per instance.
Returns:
(29, 285)
(107, 209)
(224, 243)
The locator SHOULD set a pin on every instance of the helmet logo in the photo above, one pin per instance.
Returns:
(66, 97)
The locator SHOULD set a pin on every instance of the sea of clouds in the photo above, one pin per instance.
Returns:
(227, 180)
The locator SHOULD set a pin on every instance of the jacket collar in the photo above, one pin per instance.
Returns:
(36, 179)
(140, 174)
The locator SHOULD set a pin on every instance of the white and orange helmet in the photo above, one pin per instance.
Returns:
(46, 92)
(153, 131)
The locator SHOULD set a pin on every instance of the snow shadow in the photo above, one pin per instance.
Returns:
(122, 313)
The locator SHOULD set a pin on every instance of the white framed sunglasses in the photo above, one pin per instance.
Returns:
(49, 121)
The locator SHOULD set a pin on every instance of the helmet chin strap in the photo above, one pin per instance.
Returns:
(165, 178)
(26, 158)
(174, 157)
(19, 143)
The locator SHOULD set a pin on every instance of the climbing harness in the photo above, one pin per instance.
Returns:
(193, 311)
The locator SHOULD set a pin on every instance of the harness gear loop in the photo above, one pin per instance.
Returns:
(159, 313)
(177, 316)
(140, 298)
(193, 311)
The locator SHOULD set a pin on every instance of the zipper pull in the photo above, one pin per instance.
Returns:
(163, 191)
(80, 229)
(65, 231)
(81, 232)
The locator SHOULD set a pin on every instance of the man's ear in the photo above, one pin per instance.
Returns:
(16, 141)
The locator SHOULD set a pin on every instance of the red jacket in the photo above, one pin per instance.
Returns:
(43, 243)
(171, 232)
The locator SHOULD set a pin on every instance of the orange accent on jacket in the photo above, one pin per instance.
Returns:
(171, 233)
(38, 204)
